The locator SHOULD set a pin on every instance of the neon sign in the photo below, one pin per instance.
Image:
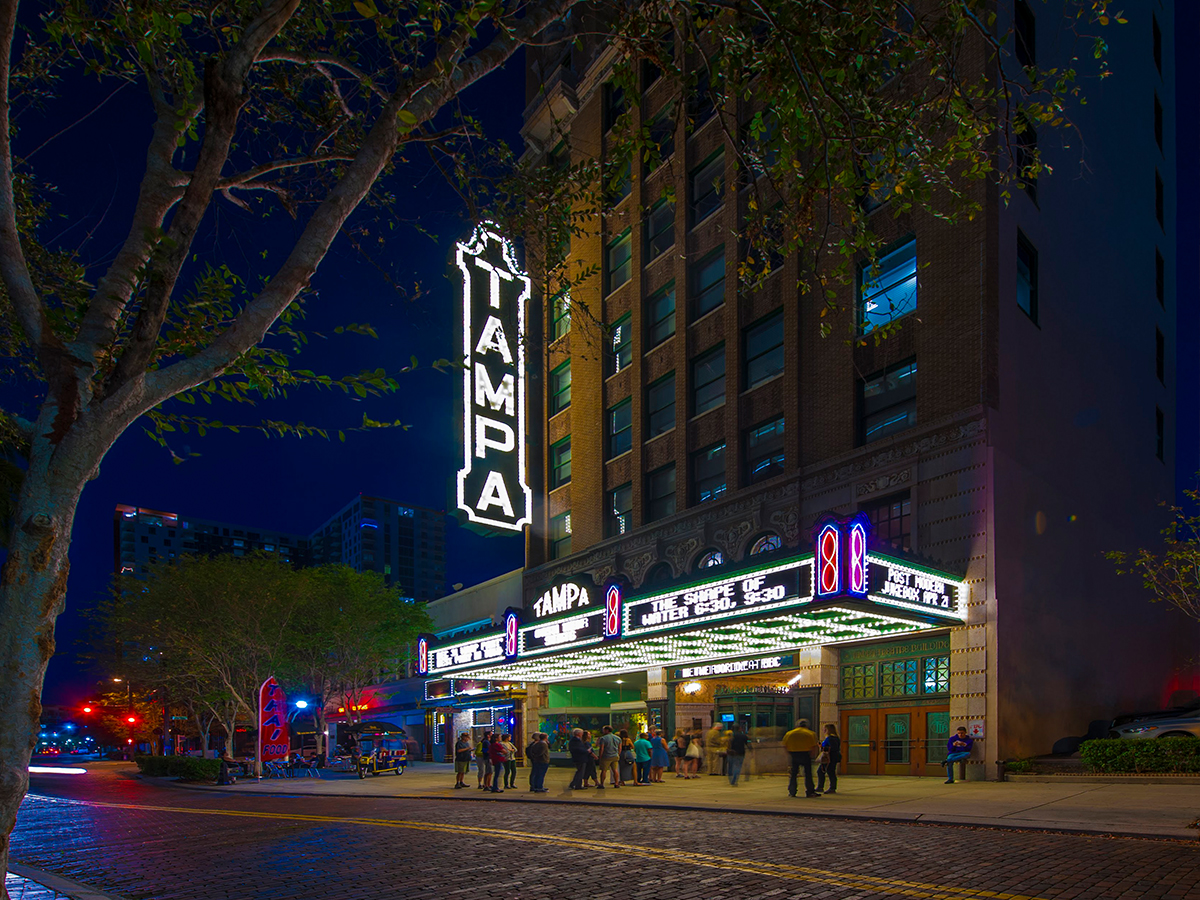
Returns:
(612, 611)
(561, 598)
(492, 492)
(423, 655)
(829, 560)
(511, 621)
(856, 562)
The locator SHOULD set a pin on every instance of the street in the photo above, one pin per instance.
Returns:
(129, 837)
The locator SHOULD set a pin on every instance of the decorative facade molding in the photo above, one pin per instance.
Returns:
(729, 540)
(678, 554)
(883, 483)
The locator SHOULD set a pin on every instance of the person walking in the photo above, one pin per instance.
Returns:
(589, 767)
(958, 747)
(712, 749)
(462, 760)
(643, 750)
(831, 758)
(497, 754)
(483, 761)
(735, 755)
(510, 761)
(693, 755)
(680, 745)
(627, 760)
(610, 756)
(659, 759)
(800, 743)
(579, 756)
(538, 754)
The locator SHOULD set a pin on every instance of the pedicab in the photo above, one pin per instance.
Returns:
(380, 758)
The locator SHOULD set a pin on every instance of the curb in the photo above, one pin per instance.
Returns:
(847, 816)
(1103, 779)
(73, 889)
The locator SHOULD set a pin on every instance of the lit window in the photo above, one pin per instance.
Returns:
(560, 388)
(1027, 277)
(660, 229)
(622, 345)
(898, 678)
(708, 381)
(660, 493)
(620, 510)
(937, 675)
(708, 187)
(560, 536)
(620, 428)
(888, 289)
(708, 473)
(561, 311)
(560, 463)
(764, 349)
(764, 451)
(888, 402)
(708, 283)
(618, 261)
(660, 315)
(711, 558)
(660, 406)
(766, 544)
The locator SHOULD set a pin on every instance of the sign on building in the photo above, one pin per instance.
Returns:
(492, 490)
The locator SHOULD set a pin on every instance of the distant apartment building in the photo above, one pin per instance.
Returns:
(405, 544)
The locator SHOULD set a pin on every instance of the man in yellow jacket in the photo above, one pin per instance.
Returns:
(799, 743)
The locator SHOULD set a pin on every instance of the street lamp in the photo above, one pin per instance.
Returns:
(301, 704)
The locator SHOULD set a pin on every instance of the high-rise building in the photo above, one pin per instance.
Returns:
(1018, 424)
(405, 544)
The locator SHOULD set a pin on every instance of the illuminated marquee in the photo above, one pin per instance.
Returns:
(829, 560)
(899, 585)
(561, 598)
(486, 649)
(612, 611)
(569, 631)
(735, 668)
(492, 492)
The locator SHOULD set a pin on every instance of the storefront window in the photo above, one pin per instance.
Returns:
(937, 674)
(898, 678)
(858, 682)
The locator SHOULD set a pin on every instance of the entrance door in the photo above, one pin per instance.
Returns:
(895, 741)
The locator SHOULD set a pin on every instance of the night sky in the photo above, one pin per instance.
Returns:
(288, 484)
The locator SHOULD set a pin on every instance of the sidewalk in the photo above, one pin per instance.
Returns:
(1122, 808)
(27, 883)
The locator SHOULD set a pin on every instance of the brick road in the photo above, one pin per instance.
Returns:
(124, 836)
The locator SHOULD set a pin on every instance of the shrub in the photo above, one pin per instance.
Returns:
(1116, 755)
(1019, 767)
(185, 768)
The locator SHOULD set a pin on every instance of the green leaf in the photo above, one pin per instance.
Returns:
(408, 118)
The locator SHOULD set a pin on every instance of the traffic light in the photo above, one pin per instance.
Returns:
(87, 709)
(132, 720)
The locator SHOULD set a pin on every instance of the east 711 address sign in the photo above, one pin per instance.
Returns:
(492, 492)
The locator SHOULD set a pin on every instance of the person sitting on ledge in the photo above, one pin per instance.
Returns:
(959, 747)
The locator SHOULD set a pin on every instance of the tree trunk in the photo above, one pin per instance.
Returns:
(33, 585)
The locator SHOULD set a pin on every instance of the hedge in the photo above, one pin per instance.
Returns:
(1118, 755)
(186, 768)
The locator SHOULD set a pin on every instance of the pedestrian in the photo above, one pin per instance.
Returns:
(462, 760)
(610, 756)
(642, 752)
(628, 760)
(538, 754)
(680, 752)
(510, 761)
(831, 758)
(958, 747)
(589, 766)
(579, 756)
(497, 754)
(736, 754)
(712, 749)
(659, 759)
(692, 755)
(483, 761)
(801, 745)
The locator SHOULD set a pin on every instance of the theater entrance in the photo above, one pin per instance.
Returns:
(895, 740)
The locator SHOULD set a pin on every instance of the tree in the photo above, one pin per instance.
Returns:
(1171, 574)
(282, 111)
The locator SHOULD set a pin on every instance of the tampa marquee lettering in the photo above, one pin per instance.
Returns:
(560, 599)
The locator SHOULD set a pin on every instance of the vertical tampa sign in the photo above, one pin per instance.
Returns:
(273, 740)
(492, 492)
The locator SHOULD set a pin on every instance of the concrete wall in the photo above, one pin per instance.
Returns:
(486, 600)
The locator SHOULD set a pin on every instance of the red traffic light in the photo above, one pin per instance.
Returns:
(87, 709)
(132, 720)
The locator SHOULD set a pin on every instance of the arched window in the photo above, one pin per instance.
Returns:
(710, 558)
(659, 574)
(765, 544)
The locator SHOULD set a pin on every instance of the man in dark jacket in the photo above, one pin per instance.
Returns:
(580, 754)
(538, 754)
(957, 748)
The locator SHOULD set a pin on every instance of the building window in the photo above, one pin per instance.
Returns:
(888, 290)
(898, 678)
(620, 428)
(708, 380)
(660, 228)
(708, 473)
(891, 521)
(560, 463)
(888, 402)
(766, 544)
(1159, 199)
(660, 406)
(561, 311)
(620, 510)
(614, 104)
(660, 315)
(710, 558)
(560, 536)
(1027, 277)
(662, 134)
(618, 260)
(937, 674)
(708, 187)
(1160, 356)
(763, 349)
(618, 184)
(764, 451)
(1156, 38)
(1160, 277)
(700, 105)
(1160, 429)
(660, 493)
(858, 682)
(1158, 122)
(560, 388)
(708, 283)
(1025, 32)
(622, 345)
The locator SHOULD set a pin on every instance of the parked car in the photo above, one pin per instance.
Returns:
(1165, 723)
(1186, 710)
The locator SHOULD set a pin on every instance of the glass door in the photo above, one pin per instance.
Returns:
(859, 747)
(897, 743)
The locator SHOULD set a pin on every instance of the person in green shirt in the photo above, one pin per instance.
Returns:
(641, 757)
